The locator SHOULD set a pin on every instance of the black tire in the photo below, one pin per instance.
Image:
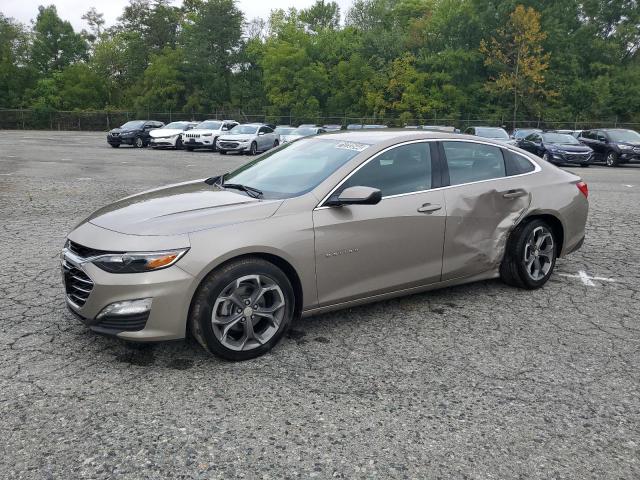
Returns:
(200, 323)
(179, 144)
(223, 152)
(254, 149)
(611, 160)
(138, 142)
(276, 144)
(214, 146)
(584, 165)
(189, 149)
(547, 158)
(512, 269)
(114, 146)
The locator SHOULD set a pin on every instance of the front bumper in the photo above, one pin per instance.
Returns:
(233, 146)
(629, 156)
(163, 141)
(201, 142)
(120, 139)
(169, 290)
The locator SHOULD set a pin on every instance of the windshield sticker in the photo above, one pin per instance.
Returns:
(358, 147)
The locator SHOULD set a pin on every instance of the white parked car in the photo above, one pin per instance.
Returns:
(169, 136)
(249, 138)
(284, 131)
(205, 134)
(302, 132)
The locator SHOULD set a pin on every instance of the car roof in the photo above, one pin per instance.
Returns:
(375, 136)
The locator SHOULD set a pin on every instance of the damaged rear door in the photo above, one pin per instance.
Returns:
(486, 197)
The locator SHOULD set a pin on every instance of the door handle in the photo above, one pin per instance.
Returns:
(516, 193)
(429, 207)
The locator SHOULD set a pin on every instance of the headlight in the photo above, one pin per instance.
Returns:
(138, 262)
(625, 147)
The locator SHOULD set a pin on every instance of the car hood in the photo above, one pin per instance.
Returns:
(182, 208)
(237, 138)
(165, 132)
(569, 148)
(120, 130)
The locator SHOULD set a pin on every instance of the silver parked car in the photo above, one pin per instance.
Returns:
(323, 223)
(248, 138)
(302, 132)
(494, 133)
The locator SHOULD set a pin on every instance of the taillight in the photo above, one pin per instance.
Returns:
(584, 188)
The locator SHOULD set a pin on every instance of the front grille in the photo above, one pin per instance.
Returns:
(86, 252)
(128, 323)
(77, 284)
(192, 135)
(229, 144)
(115, 134)
(578, 156)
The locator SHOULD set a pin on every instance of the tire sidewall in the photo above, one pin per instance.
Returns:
(211, 288)
(254, 149)
(614, 159)
(138, 142)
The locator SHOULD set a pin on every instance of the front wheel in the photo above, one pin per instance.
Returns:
(612, 159)
(546, 157)
(243, 309)
(530, 255)
(179, 144)
(139, 142)
(114, 145)
(254, 149)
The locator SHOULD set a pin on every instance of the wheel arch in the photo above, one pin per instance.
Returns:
(272, 258)
(554, 222)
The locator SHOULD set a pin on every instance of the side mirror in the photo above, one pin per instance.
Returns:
(356, 196)
(260, 134)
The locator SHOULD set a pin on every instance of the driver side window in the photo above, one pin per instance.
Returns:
(404, 169)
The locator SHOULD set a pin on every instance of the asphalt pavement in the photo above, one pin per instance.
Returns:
(480, 381)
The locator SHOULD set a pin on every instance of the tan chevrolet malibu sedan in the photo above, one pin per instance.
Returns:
(322, 223)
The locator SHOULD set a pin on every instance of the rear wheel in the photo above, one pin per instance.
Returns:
(530, 255)
(276, 143)
(242, 309)
(612, 159)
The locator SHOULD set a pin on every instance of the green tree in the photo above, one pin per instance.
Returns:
(15, 74)
(55, 44)
(321, 15)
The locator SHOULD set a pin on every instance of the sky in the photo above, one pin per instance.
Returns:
(26, 10)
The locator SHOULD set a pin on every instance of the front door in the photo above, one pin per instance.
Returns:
(364, 250)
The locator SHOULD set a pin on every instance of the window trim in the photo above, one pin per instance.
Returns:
(435, 164)
(440, 164)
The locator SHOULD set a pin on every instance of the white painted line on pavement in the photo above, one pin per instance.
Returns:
(630, 186)
(6, 174)
(586, 279)
(84, 178)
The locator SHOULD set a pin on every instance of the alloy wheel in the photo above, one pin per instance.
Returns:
(248, 311)
(139, 142)
(539, 252)
(254, 148)
(611, 159)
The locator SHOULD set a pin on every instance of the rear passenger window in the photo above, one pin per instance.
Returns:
(403, 169)
(516, 164)
(473, 162)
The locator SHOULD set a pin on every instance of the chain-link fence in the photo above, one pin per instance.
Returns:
(11, 119)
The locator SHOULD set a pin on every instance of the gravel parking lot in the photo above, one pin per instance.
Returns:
(479, 381)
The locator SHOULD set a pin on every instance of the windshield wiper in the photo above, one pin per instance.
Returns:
(252, 192)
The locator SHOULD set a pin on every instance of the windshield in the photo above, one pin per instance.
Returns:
(207, 125)
(562, 138)
(304, 131)
(244, 129)
(497, 133)
(133, 124)
(624, 135)
(295, 168)
(284, 130)
(525, 133)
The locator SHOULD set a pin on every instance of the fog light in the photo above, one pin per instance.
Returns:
(126, 308)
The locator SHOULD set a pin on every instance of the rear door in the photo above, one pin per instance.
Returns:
(365, 250)
(487, 195)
